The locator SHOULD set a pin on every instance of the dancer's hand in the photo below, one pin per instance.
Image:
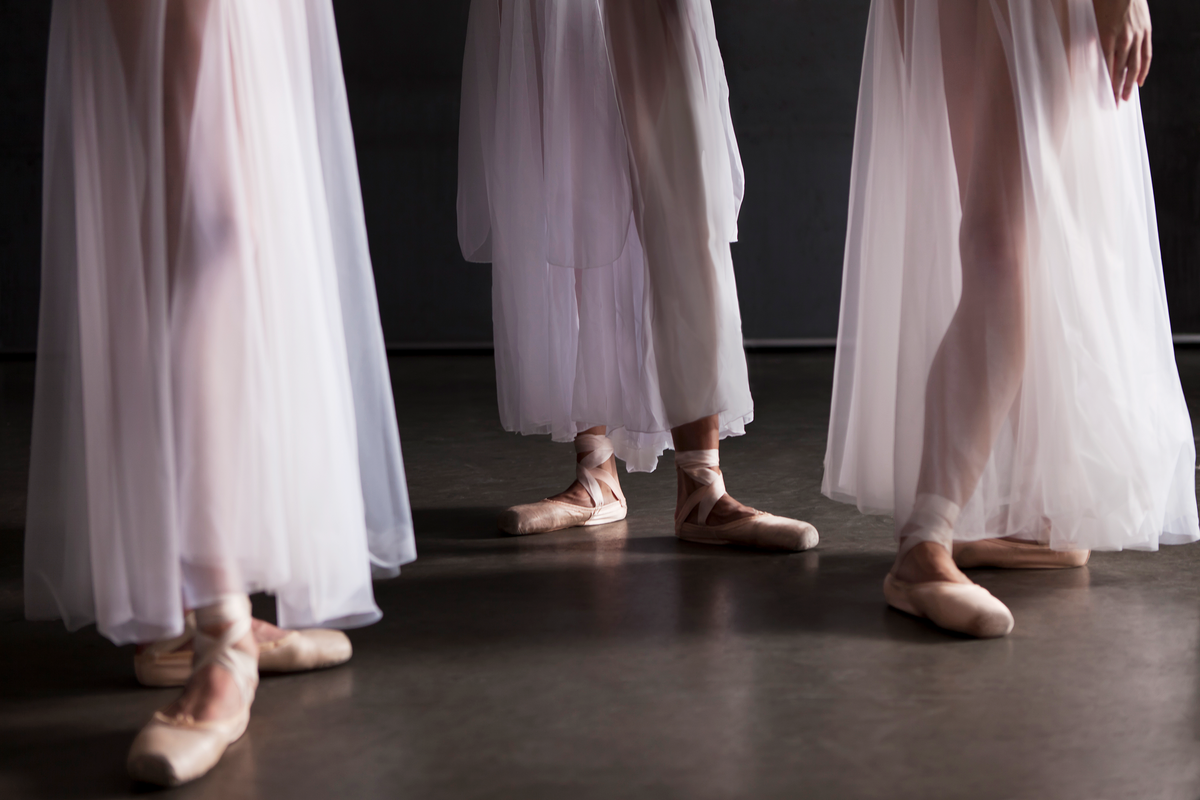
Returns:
(1125, 36)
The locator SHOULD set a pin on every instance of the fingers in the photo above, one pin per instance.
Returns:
(1147, 53)
(1133, 68)
(1120, 62)
(1109, 45)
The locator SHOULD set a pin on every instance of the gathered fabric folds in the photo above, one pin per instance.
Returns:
(1004, 343)
(604, 188)
(213, 409)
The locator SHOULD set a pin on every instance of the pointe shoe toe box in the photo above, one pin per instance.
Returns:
(170, 753)
(1010, 554)
(966, 608)
(762, 531)
(304, 650)
(544, 516)
(786, 533)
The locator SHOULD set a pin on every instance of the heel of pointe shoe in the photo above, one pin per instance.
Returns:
(609, 513)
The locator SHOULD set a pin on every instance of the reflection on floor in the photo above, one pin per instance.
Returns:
(617, 662)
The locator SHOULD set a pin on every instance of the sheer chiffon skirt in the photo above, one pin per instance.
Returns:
(604, 186)
(213, 408)
(1004, 341)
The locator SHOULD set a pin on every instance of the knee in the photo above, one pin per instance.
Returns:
(993, 253)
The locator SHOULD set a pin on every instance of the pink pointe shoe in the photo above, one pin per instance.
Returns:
(966, 608)
(1013, 554)
(760, 530)
(549, 515)
(169, 662)
(173, 750)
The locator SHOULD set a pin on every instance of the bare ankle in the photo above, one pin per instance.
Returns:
(927, 561)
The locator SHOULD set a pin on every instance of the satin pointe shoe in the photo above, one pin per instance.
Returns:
(1010, 554)
(300, 651)
(966, 608)
(760, 530)
(172, 750)
(960, 607)
(165, 664)
(549, 515)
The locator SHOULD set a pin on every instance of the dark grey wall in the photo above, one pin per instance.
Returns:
(1171, 110)
(23, 33)
(793, 72)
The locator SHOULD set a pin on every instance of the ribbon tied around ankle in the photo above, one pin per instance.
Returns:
(701, 467)
(932, 520)
(232, 610)
(590, 471)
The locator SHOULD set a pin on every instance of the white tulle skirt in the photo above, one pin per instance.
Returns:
(213, 408)
(1089, 443)
(614, 301)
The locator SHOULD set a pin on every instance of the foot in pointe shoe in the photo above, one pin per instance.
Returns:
(169, 662)
(583, 504)
(706, 514)
(926, 583)
(1015, 554)
(185, 740)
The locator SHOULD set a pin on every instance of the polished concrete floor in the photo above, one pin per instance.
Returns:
(617, 662)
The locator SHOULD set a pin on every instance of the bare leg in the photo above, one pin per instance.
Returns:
(670, 198)
(672, 219)
(976, 374)
(703, 434)
(211, 693)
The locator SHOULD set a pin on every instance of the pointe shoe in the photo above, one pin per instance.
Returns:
(300, 651)
(165, 664)
(549, 515)
(961, 607)
(173, 750)
(1011, 554)
(761, 530)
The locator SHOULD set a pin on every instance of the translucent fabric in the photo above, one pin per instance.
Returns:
(1004, 345)
(599, 173)
(213, 410)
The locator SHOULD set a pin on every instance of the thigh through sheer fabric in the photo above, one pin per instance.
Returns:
(1004, 357)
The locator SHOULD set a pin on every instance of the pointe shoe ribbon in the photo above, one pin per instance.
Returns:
(549, 515)
(166, 664)
(1012, 554)
(961, 607)
(760, 530)
(171, 751)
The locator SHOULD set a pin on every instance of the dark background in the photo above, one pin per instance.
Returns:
(793, 69)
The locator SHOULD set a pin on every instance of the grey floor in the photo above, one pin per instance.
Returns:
(618, 662)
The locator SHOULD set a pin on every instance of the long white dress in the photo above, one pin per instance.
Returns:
(213, 408)
(596, 324)
(1049, 392)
